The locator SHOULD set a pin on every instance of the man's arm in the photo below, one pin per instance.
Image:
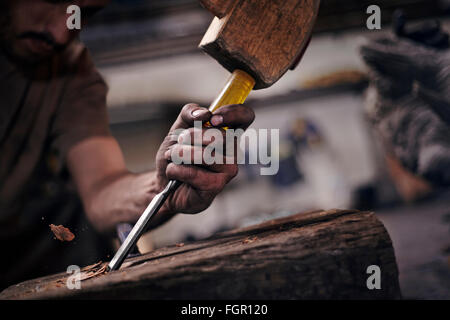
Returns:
(111, 194)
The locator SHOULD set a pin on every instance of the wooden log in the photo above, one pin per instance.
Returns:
(315, 255)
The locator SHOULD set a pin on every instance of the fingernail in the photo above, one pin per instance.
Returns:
(197, 113)
(216, 120)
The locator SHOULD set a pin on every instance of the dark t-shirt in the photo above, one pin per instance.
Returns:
(43, 113)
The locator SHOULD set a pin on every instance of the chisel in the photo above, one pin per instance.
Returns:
(235, 91)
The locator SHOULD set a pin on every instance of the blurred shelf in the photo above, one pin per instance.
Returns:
(148, 112)
(137, 30)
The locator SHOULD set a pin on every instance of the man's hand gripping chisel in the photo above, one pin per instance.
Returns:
(235, 92)
(256, 40)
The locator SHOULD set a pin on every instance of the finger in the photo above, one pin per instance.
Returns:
(233, 116)
(216, 139)
(200, 156)
(198, 178)
(184, 154)
(202, 137)
(189, 114)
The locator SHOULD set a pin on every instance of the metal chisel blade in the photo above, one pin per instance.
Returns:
(141, 225)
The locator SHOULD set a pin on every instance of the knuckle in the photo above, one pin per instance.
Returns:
(176, 151)
(173, 135)
(247, 114)
(188, 107)
(170, 138)
(220, 184)
(190, 136)
(251, 114)
(184, 137)
(234, 170)
(170, 171)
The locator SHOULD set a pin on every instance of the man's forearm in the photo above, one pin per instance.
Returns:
(111, 194)
(123, 198)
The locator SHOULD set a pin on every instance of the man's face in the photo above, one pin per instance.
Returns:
(33, 30)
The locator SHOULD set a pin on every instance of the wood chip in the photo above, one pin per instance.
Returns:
(92, 266)
(249, 240)
(93, 270)
(61, 233)
(87, 272)
(92, 274)
(179, 245)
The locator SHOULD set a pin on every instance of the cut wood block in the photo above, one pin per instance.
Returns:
(265, 38)
(218, 7)
(314, 255)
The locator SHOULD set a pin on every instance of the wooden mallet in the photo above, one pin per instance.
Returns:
(258, 41)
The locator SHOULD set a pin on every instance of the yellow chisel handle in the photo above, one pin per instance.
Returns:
(235, 91)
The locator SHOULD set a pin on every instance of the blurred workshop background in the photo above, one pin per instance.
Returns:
(329, 156)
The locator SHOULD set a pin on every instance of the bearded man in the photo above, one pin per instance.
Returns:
(59, 163)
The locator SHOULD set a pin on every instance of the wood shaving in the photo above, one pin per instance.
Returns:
(87, 272)
(92, 266)
(62, 233)
(249, 240)
(93, 270)
(179, 245)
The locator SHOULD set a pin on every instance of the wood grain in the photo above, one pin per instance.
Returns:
(218, 7)
(315, 255)
(261, 37)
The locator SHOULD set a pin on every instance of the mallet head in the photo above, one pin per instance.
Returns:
(265, 38)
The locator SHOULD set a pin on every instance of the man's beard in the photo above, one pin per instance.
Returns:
(8, 39)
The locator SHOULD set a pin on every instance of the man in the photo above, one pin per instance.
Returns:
(54, 131)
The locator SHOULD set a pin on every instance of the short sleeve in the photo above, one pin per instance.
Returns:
(82, 111)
